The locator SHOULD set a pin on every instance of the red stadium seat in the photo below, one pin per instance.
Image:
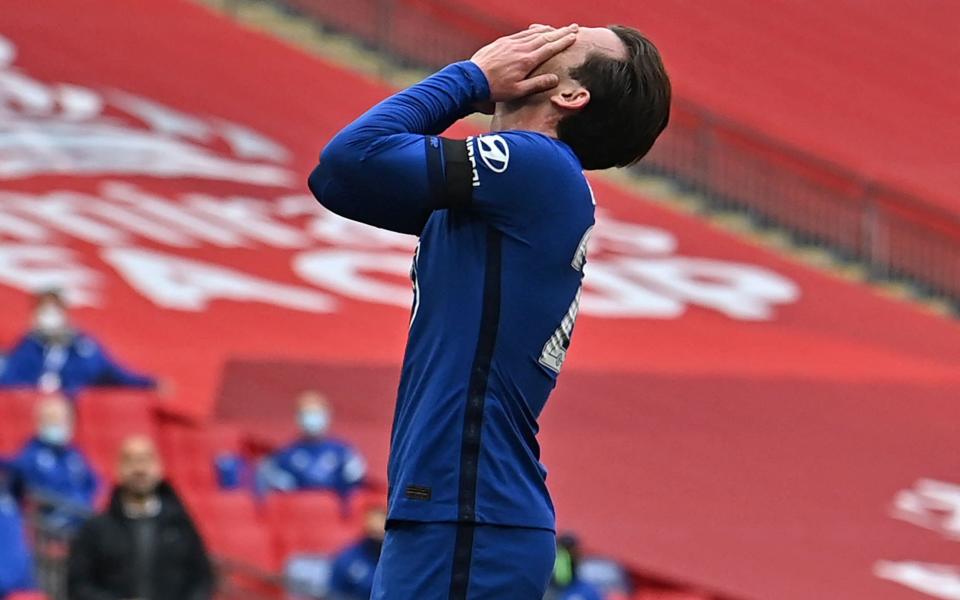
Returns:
(360, 502)
(309, 522)
(190, 452)
(105, 418)
(668, 595)
(216, 510)
(26, 596)
(246, 542)
(17, 421)
(132, 410)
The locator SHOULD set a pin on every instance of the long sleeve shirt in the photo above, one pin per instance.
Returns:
(503, 221)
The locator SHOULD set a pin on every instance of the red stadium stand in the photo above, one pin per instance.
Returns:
(233, 530)
(309, 522)
(246, 559)
(190, 453)
(17, 420)
(668, 595)
(365, 499)
(813, 153)
(245, 542)
(216, 509)
(693, 420)
(26, 596)
(105, 418)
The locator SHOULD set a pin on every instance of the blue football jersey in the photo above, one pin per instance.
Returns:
(503, 220)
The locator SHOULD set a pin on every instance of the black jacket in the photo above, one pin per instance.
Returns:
(101, 566)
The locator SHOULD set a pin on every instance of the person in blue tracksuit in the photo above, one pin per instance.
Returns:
(55, 356)
(351, 575)
(51, 466)
(16, 560)
(503, 221)
(314, 461)
(566, 583)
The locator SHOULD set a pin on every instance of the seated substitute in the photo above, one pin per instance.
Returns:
(351, 576)
(16, 561)
(566, 583)
(145, 546)
(54, 469)
(55, 356)
(315, 461)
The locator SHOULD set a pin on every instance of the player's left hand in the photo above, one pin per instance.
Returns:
(508, 61)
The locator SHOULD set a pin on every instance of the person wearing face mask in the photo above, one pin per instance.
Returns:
(351, 576)
(314, 461)
(53, 356)
(52, 468)
(145, 546)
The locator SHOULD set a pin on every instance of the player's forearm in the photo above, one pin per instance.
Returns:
(428, 107)
(375, 170)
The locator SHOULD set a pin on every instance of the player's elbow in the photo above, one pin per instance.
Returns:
(317, 182)
(330, 179)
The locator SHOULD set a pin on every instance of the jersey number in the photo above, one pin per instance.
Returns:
(555, 349)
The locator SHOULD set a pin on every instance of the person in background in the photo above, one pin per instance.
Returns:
(51, 467)
(54, 356)
(351, 576)
(145, 546)
(565, 583)
(315, 461)
(16, 561)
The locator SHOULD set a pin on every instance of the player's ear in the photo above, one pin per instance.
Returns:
(570, 96)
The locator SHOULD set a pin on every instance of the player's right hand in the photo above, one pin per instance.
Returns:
(509, 61)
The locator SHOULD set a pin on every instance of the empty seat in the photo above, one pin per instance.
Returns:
(248, 564)
(99, 409)
(246, 542)
(31, 595)
(215, 510)
(191, 452)
(309, 522)
(669, 595)
(105, 418)
(17, 421)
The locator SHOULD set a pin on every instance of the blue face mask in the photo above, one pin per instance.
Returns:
(314, 422)
(55, 434)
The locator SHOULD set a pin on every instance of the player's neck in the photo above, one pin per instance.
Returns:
(541, 118)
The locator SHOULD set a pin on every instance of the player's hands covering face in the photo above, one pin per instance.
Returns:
(509, 61)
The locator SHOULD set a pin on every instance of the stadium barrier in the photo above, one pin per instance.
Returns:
(897, 235)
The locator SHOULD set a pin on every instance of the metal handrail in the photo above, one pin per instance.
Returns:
(896, 233)
(799, 155)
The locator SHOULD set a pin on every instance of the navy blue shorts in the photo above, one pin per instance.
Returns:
(463, 561)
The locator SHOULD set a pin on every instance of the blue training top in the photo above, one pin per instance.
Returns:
(79, 363)
(314, 464)
(503, 221)
(61, 471)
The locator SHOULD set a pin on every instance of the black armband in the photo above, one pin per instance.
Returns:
(450, 171)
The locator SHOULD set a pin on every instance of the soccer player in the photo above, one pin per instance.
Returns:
(503, 221)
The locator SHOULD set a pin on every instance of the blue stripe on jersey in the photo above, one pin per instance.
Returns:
(501, 218)
(479, 374)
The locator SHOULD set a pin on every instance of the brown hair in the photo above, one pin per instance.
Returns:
(629, 104)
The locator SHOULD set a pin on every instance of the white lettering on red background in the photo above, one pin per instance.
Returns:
(932, 505)
(633, 270)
